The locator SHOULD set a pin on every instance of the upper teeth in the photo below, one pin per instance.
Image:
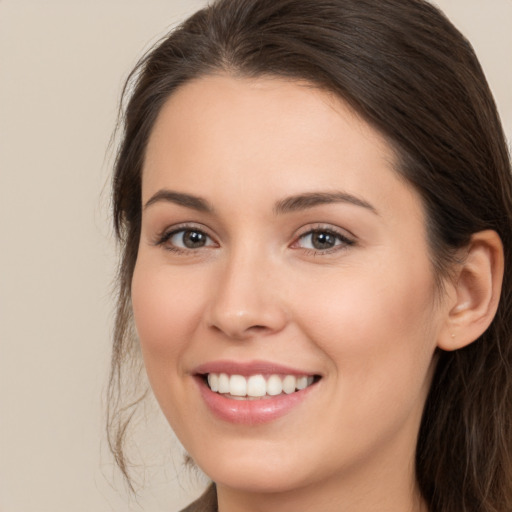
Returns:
(256, 385)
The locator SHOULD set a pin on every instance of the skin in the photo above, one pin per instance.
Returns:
(365, 315)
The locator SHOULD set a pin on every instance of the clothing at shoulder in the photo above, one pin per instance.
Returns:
(207, 502)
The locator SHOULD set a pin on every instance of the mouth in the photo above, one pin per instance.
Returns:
(254, 392)
(258, 386)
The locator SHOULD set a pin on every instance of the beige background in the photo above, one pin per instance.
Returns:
(62, 64)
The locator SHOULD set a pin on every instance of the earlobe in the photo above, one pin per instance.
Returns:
(477, 287)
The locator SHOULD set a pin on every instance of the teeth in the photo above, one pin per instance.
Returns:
(256, 386)
(223, 383)
(274, 385)
(289, 384)
(302, 382)
(237, 385)
(213, 381)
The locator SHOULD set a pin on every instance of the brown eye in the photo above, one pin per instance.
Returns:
(194, 239)
(189, 239)
(323, 240)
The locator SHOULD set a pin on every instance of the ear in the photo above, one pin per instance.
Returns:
(476, 292)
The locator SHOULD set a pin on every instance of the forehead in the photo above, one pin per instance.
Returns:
(220, 135)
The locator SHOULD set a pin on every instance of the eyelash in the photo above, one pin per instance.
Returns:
(163, 239)
(342, 241)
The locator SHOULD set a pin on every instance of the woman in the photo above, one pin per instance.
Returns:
(314, 200)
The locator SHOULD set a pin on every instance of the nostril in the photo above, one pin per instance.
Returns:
(258, 327)
(257, 330)
(242, 332)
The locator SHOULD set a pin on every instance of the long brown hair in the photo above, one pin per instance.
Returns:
(408, 71)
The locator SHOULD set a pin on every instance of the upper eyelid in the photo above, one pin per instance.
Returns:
(165, 234)
(306, 229)
(344, 236)
(311, 228)
(185, 226)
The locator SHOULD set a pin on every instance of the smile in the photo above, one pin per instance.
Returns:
(256, 387)
(255, 392)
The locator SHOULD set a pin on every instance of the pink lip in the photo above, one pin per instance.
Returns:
(248, 368)
(249, 412)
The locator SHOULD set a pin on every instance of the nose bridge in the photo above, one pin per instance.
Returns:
(246, 297)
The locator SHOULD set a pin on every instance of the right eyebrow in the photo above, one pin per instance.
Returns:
(181, 199)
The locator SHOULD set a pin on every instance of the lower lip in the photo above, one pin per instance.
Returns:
(251, 412)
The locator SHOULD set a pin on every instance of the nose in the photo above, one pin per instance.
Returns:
(246, 299)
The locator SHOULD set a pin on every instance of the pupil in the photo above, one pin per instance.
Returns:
(322, 240)
(193, 239)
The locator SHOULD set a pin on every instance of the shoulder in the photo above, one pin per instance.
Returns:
(207, 502)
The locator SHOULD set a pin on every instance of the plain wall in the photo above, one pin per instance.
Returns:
(62, 65)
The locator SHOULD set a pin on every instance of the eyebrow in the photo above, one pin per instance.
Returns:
(181, 199)
(283, 206)
(312, 199)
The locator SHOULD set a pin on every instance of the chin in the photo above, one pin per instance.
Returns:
(260, 479)
(254, 471)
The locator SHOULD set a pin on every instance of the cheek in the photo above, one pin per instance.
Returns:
(380, 351)
(378, 328)
(166, 308)
(166, 313)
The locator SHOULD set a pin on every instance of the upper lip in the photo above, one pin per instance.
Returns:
(249, 368)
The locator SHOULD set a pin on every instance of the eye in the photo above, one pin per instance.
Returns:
(189, 239)
(323, 240)
(185, 239)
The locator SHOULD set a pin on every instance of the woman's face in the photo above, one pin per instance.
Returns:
(279, 248)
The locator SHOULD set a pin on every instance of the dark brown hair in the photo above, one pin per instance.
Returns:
(408, 71)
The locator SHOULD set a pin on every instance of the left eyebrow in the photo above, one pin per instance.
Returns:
(312, 199)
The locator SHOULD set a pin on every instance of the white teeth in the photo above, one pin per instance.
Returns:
(302, 382)
(213, 381)
(237, 385)
(223, 383)
(274, 385)
(256, 386)
(289, 384)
